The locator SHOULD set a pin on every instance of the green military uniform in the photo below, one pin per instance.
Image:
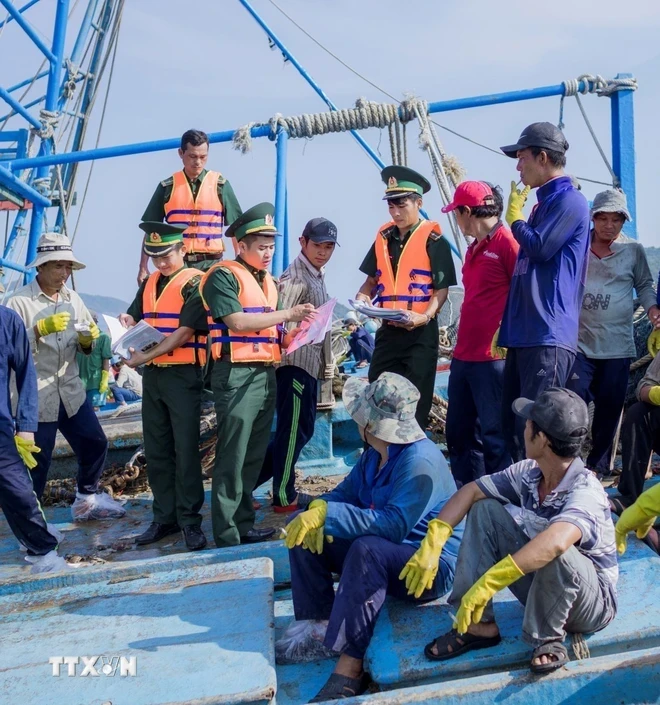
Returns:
(155, 211)
(411, 353)
(244, 395)
(171, 406)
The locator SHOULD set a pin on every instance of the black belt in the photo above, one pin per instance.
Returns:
(202, 258)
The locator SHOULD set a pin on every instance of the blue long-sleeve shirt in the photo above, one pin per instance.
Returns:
(16, 357)
(546, 291)
(396, 502)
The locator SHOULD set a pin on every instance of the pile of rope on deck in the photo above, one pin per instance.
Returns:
(132, 478)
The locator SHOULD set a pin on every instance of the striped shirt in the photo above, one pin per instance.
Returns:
(579, 499)
(302, 283)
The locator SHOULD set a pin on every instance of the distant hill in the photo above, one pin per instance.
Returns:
(653, 256)
(104, 304)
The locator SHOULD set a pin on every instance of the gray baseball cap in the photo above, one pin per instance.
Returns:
(611, 201)
(538, 134)
(559, 412)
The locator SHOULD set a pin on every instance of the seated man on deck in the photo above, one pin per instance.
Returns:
(366, 529)
(558, 556)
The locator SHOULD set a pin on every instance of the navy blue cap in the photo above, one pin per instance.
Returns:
(320, 230)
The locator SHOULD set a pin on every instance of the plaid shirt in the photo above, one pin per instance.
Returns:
(579, 499)
(302, 283)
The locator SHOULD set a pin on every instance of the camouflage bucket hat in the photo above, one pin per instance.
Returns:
(386, 407)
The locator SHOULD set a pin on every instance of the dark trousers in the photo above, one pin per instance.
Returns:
(474, 420)
(604, 382)
(527, 373)
(171, 404)
(411, 354)
(369, 568)
(640, 436)
(84, 434)
(296, 413)
(361, 350)
(20, 504)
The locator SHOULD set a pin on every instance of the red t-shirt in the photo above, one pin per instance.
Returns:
(487, 276)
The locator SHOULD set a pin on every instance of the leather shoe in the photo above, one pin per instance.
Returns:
(194, 537)
(156, 532)
(257, 535)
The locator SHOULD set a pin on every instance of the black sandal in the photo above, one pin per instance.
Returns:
(340, 687)
(617, 506)
(460, 643)
(552, 648)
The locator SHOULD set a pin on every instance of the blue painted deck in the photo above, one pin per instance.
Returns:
(631, 678)
(200, 633)
(396, 656)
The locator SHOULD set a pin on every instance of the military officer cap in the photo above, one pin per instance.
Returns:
(161, 237)
(257, 220)
(402, 181)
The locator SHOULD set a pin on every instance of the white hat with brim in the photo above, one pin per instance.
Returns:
(55, 247)
(385, 408)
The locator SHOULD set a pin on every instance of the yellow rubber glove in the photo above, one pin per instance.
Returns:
(53, 324)
(654, 395)
(495, 350)
(315, 540)
(517, 200)
(103, 384)
(86, 339)
(639, 518)
(420, 571)
(653, 343)
(481, 593)
(313, 518)
(26, 450)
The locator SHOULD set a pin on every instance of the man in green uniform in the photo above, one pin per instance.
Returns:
(94, 369)
(172, 386)
(240, 297)
(194, 152)
(411, 349)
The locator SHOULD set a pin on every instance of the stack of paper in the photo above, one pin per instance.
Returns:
(141, 337)
(396, 315)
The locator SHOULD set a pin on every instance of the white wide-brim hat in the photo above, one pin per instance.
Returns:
(55, 247)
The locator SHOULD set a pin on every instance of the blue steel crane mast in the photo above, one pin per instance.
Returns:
(31, 189)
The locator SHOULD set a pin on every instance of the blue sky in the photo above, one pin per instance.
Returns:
(207, 65)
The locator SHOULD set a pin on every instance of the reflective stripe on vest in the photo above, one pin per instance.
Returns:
(258, 346)
(163, 314)
(412, 287)
(204, 215)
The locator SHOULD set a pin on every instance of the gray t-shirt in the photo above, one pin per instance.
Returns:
(606, 329)
(579, 499)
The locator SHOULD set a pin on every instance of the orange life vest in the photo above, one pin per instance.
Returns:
(163, 312)
(204, 215)
(412, 287)
(257, 346)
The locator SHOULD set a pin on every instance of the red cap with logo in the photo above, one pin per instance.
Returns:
(472, 194)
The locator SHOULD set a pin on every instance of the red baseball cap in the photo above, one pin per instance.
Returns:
(472, 194)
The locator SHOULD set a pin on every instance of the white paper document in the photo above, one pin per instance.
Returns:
(141, 337)
(111, 326)
(314, 331)
(397, 315)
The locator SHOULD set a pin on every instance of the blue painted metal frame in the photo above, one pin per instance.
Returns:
(623, 150)
(51, 104)
(280, 200)
(20, 10)
(29, 29)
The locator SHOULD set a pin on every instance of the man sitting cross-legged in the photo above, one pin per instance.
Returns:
(558, 556)
(365, 530)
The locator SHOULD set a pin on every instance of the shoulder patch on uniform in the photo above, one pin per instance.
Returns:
(386, 232)
(435, 235)
(169, 181)
(221, 178)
